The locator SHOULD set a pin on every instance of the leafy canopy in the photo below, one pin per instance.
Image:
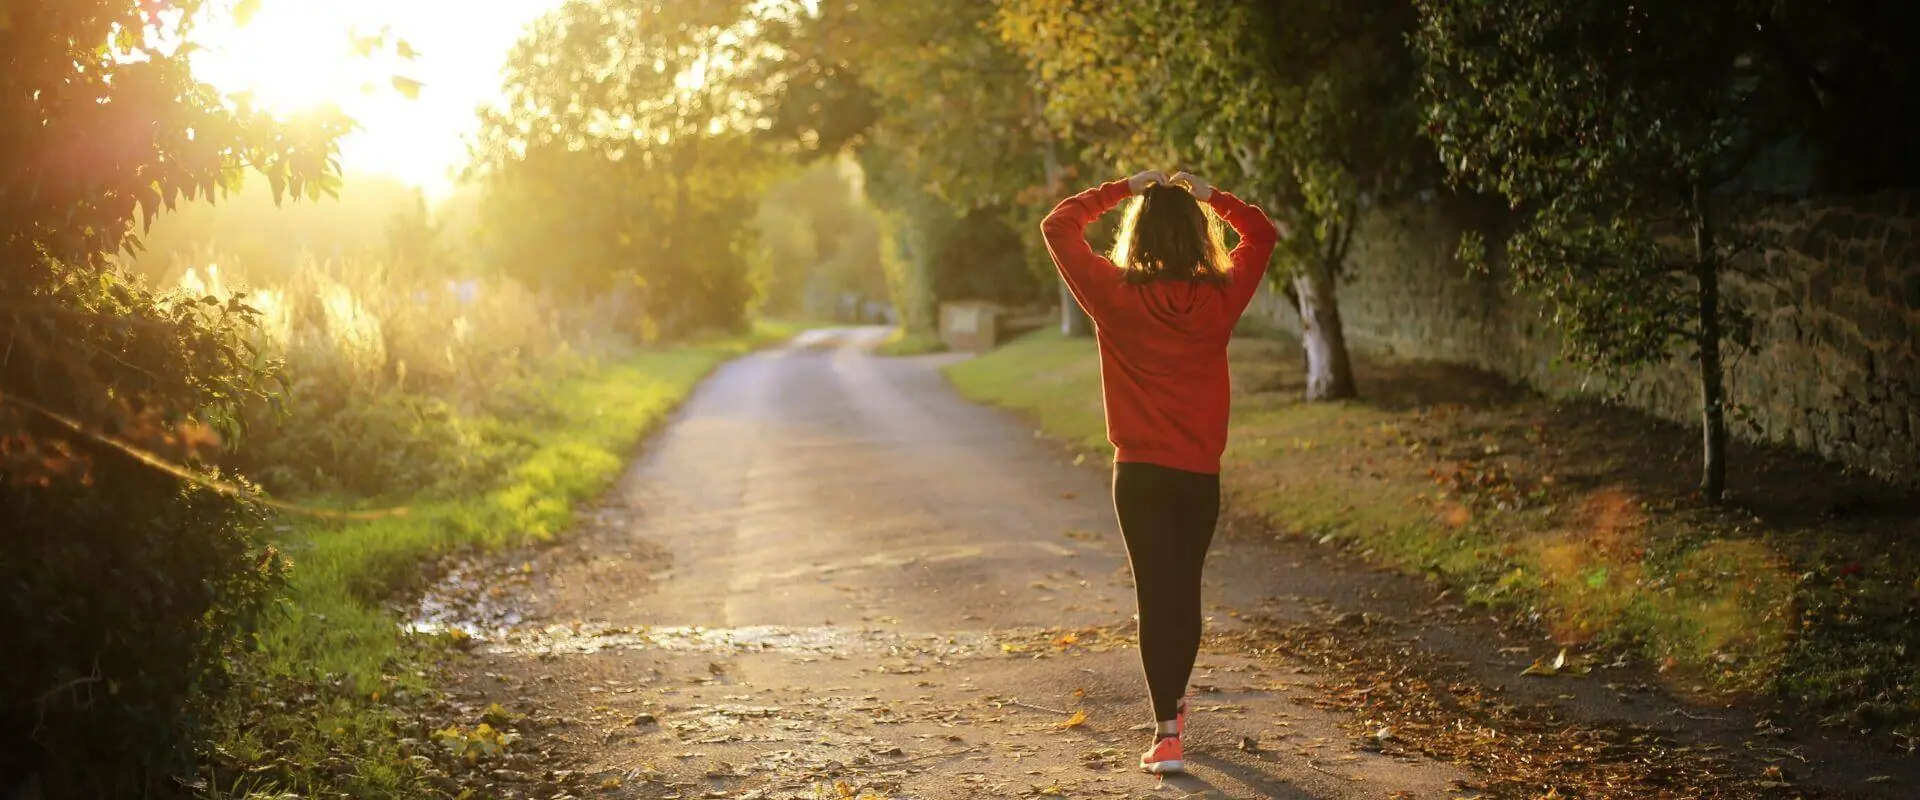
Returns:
(1302, 105)
(633, 132)
(102, 125)
(1607, 124)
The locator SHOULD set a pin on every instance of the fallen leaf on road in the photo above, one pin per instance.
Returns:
(1078, 719)
(1558, 665)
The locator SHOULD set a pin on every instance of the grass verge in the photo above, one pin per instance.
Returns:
(339, 701)
(904, 343)
(1573, 514)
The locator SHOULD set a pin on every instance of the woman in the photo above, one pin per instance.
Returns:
(1163, 308)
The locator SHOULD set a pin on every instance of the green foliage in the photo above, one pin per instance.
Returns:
(1606, 123)
(953, 129)
(820, 238)
(981, 258)
(1610, 126)
(955, 103)
(123, 593)
(381, 373)
(1306, 107)
(906, 343)
(629, 131)
(124, 607)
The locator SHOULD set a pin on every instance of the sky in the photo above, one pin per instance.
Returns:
(297, 53)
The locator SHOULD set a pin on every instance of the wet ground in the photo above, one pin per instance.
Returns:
(831, 577)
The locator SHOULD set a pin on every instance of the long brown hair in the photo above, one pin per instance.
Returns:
(1168, 235)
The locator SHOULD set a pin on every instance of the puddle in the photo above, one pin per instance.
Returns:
(474, 598)
(822, 640)
(483, 601)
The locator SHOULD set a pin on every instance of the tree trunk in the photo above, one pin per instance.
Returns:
(1713, 417)
(1073, 319)
(1329, 371)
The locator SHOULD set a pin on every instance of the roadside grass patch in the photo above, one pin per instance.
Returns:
(1054, 380)
(1575, 514)
(337, 696)
(904, 343)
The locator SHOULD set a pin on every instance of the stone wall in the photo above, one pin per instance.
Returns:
(1835, 292)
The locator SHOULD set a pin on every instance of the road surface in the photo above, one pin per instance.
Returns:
(828, 576)
(829, 568)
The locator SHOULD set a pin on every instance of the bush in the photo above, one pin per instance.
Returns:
(122, 593)
(122, 606)
(390, 387)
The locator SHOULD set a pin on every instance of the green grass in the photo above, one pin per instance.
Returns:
(905, 343)
(1543, 510)
(335, 674)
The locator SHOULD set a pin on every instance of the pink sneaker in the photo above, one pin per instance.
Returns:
(1163, 757)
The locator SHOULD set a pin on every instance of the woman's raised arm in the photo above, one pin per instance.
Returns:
(1065, 230)
(1258, 236)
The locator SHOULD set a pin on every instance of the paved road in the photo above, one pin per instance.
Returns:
(829, 567)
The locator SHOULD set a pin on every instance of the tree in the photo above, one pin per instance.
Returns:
(123, 593)
(630, 131)
(820, 239)
(960, 107)
(1304, 106)
(951, 131)
(1614, 127)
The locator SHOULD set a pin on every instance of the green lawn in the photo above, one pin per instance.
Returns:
(904, 343)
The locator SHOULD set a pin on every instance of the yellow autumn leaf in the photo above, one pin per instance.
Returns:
(1078, 719)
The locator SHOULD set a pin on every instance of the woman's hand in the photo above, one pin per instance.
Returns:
(1139, 182)
(1199, 186)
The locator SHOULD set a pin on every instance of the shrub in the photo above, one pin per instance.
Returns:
(122, 608)
(121, 591)
(384, 380)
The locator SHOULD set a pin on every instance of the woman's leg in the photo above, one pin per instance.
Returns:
(1199, 513)
(1160, 510)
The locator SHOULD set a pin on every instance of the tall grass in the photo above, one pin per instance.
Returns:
(389, 382)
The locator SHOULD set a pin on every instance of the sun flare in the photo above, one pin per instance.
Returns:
(290, 56)
(297, 55)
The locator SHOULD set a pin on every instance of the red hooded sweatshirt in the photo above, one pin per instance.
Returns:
(1163, 345)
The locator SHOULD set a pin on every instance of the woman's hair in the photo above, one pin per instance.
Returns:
(1168, 235)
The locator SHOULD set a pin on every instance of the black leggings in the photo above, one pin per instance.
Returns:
(1167, 517)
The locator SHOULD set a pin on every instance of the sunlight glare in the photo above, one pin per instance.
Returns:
(292, 56)
(295, 55)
